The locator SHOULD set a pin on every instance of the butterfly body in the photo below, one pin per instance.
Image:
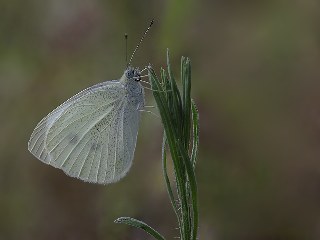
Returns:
(92, 136)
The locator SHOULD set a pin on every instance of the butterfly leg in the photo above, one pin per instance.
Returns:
(142, 110)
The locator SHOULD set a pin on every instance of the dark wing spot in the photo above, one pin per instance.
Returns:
(73, 138)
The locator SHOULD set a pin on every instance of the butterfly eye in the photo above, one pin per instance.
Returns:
(130, 74)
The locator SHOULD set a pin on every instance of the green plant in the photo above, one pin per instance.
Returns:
(180, 119)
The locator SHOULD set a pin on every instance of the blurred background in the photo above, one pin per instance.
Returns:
(256, 83)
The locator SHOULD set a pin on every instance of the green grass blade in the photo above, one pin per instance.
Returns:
(178, 123)
(195, 132)
(176, 103)
(193, 188)
(186, 102)
(139, 224)
(186, 119)
(167, 180)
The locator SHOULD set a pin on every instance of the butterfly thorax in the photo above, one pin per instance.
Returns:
(134, 90)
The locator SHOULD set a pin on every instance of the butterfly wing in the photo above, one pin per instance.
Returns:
(86, 136)
(126, 141)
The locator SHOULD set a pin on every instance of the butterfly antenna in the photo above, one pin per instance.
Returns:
(144, 34)
(126, 41)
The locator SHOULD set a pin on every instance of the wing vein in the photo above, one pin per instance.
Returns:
(36, 144)
(86, 115)
(67, 145)
(84, 161)
(79, 154)
(94, 157)
(116, 148)
(113, 122)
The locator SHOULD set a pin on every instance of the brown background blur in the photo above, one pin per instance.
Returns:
(256, 82)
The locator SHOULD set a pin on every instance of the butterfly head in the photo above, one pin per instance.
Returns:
(133, 74)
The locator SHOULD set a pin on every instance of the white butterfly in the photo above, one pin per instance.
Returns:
(92, 136)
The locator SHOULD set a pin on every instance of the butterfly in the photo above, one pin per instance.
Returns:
(92, 136)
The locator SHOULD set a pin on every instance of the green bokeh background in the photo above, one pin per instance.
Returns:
(256, 72)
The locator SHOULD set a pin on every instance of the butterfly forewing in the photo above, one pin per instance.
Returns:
(91, 136)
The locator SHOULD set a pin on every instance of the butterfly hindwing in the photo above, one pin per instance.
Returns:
(91, 136)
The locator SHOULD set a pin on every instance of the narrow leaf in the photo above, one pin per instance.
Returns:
(139, 224)
(186, 99)
(195, 138)
(166, 177)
